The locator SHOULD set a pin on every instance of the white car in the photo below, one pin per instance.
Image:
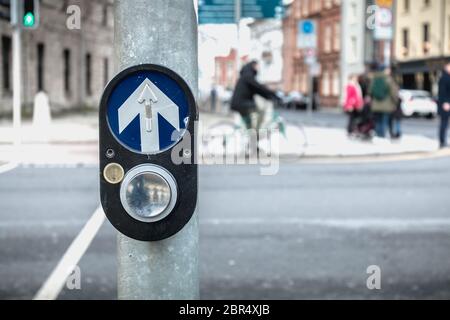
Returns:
(417, 102)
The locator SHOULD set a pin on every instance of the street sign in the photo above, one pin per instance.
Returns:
(262, 9)
(225, 11)
(310, 56)
(216, 11)
(143, 117)
(384, 24)
(384, 3)
(146, 112)
(307, 34)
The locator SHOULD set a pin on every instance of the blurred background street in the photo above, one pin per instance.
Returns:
(354, 187)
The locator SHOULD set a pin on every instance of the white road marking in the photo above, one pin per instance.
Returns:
(57, 279)
(8, 167)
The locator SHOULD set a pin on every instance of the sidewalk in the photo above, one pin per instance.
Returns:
(319, 142)
(74, 140)
(74, 129)
(71, 141)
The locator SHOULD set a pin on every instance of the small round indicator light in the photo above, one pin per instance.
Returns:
(113, 173)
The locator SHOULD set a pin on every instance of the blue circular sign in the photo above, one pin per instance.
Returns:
(148, 109)
(308, 27)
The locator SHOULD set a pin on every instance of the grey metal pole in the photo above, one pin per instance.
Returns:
(387, 53)
(165, 33)
(238, 17)
(311, 92)
(17, 72)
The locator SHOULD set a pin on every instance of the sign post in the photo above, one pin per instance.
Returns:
(146, 112)
(17, 71)
(229, 11)
(384, 28)
(307, 41)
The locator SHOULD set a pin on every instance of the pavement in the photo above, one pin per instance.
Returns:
(312, 141)
(73, 140)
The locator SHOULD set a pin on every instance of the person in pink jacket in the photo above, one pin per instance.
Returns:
(353, 103)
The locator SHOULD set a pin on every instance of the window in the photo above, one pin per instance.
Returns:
(6, 63)
(426, 38)
(105, 15)
(67, 71)
(327, 39)
(337, 37)
(426, 3)
(405, 41)
(405, 38)
(40, 66)
(406, 5)
(304, 82)
(426, 32)
(353, 54)
(353, 13)
(88, 74)
(305, 7)
(105, 71)
(326, 84)
(336, 83)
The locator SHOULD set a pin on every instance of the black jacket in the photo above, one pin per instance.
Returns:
(444, 92)
(247, 87)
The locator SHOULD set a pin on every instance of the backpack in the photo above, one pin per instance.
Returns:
(380, 88)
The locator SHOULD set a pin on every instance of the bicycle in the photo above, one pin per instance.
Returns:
(233, 136)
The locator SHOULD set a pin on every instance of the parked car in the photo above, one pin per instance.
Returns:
(417, 102)
(295, 100)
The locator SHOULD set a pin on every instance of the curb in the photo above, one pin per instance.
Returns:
(370, 158)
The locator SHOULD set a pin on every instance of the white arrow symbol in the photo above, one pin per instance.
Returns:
(155, 102)
(148, 98)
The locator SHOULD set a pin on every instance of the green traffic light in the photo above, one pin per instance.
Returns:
(28, 20)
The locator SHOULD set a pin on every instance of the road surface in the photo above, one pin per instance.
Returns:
(309, 232)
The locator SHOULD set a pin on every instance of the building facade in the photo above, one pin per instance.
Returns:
(355, 54)
(71, 66)
(226, 70)
(266, 37)
(422, 42)
(327, 81)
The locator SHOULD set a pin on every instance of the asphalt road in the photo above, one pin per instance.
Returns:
(309, 232)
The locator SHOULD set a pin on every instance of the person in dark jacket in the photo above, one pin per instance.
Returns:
(444, 105)
(247, 87)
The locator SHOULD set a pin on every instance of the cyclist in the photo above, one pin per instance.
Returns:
(247, 87)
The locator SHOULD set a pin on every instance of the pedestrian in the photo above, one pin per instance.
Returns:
(395, 121)
(243, 100)
(213, 98)
(444, 105)
(353, 103)
(384, 97)
(366, 125)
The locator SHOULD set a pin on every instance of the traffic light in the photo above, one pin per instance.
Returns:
(148, 174)
(5, 10)
(30, 14)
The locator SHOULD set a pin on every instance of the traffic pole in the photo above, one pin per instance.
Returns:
(165, 33)
(310, 105)
(17, 72)
(238, 17)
